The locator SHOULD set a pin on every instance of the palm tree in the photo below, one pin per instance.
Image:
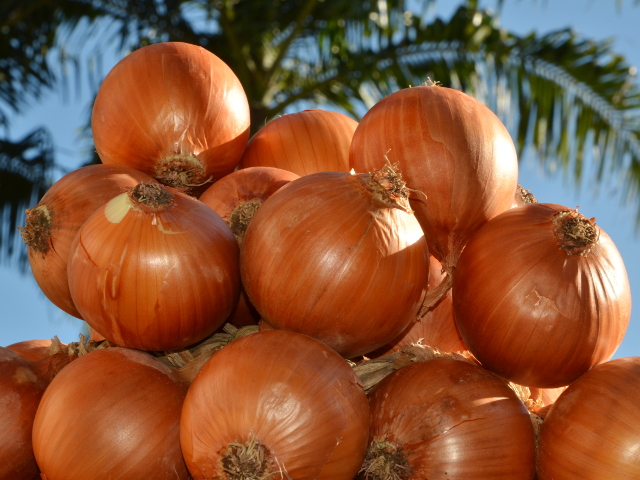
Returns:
(568, 96)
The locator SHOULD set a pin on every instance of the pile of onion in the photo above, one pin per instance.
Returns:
(54, 222)
(338, 257)
(275, 404)
(541, 295)
(304, 142)
(453, 152)
(174, 111)
(154, 269)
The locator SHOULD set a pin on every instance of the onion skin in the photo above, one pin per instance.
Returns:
(69, 202)
(21, 388)
(436, 328)
(304, 142)
(32, 350)
(298, 397)
(592, 431)
(450, 147)
(154, 280)
(531, 312)
(189, 104)
(467, 424)
(113, 413)
(320, 240)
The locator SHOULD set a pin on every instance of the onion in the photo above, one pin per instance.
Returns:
(154, 270)
(112, 413)
(275, 404)
(523, 197)
(305, 142)
(174, 111)
(338, 257)
(541, 295)
(436, 328)
(454, 150)
(450, 419)
(592, 431)
(53, 223)
(22, 384)
(32, 350)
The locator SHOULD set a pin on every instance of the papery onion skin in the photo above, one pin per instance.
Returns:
(453, 420)
(592, 431)
(21, 388)
(171, 99)
(154, 280)
(295, 395)
(322, 258)
(32, 350)
(68, 203)
(436, 328)
(304, 142)
(530, 311)
(113, 413)
(450, 147)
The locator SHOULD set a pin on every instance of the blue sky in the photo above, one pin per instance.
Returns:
(27, 314)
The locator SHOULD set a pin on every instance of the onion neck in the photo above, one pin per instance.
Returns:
(241, 217)
(181, 171)
(385, 460)
(388, 188)
(38, 229)
(576, 233)
(151, 197)
(524, 196)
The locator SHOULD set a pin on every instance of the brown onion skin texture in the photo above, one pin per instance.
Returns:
(71, 200)
(532, 313)
(304, 142)
(112, 413)
(436, 328)
(592, 431)
(322, 259)
(450, 147)
(296, 395)
(155, 281)
(21, 388)
(453, 421)
(190, 103)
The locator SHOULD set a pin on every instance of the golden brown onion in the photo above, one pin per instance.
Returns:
(154, 270)
(337, 257)
(32, 350)
(592, 431)
(279, 396)
(112, 413)
(174, 111)
(53, 223)
(541, 295)
(304, 142)
(447, 419)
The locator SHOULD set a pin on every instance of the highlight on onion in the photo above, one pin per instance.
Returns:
(32, 350)
(592, 431)
(154, 269)
(112, 413)
(541, 295)
(435, 328)
(338, 257)
(275, 404)
(52, 224)
(305, 142)
(447, 419)
(174, 111)
(453, 151)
